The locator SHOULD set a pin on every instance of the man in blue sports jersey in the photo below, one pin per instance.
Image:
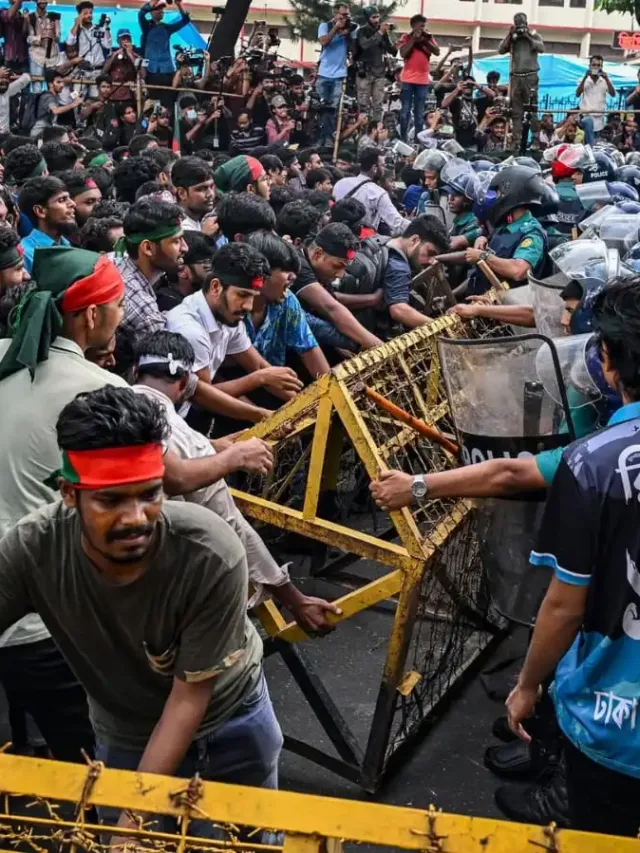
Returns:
(589, 621)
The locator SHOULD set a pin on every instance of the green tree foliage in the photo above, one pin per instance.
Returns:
(626, 7)
(308, 14)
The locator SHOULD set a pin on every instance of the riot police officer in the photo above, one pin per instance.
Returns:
(518, 243)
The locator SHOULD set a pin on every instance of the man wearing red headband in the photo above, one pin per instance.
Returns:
(171, 664)
(76, 305)
(323, 262)
(212, 321)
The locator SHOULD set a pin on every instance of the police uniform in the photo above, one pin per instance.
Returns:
(466, 225)
(570, 209)
(524, 239)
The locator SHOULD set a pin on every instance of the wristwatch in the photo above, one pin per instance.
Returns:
(419, 488)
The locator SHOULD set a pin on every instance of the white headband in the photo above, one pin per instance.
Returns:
(175, 364)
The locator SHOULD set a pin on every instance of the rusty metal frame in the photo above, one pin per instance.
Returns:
(327, 401)
(307, 824)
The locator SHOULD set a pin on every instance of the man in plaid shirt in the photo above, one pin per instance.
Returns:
(154, 246)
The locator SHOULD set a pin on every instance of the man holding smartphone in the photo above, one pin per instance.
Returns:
(592, 91)
(416, 49)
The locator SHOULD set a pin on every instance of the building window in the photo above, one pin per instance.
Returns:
(551, 3)
(578, 4)
(510, 2)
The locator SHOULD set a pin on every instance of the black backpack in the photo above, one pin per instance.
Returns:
(365, 275)
(27, 111)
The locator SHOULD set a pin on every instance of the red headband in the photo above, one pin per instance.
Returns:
(104, 285)
(256, 168)
(112, 466)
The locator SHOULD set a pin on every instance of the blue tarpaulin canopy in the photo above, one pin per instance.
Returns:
(127, 19)
(559, 77)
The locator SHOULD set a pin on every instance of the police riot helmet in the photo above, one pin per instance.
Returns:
(527, 161)
(632, 158)
(611, 398)
(431, 159)
(482, 165)
(621, 191)
(515, 186)
(603, 169)
(628, 206)
(630, 175)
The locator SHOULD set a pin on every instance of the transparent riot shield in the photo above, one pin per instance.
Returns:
(547, 303)
(504, 409)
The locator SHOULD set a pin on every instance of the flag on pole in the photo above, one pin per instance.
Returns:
(175, 142)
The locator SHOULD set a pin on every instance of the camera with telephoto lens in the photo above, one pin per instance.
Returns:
(103, 24)
(192, 56)
(348, 23)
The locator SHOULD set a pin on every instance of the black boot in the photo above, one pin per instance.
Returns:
(500, 729)
(540, 804)
(513, 760)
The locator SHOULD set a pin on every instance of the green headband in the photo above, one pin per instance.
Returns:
(39, 170)
(100, 160)
(160, 233)
(10, 258)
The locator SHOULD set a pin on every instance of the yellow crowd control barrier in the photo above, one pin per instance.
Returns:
(48, 805)
(329, 442)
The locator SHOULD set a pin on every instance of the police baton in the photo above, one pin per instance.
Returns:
(489, 274)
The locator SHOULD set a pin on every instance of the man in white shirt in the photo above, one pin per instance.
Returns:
(163, 365)
(592, 91)
(212, 320)
(366, 189)
(92, 41)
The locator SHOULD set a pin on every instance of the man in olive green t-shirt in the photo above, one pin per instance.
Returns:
(146, 600)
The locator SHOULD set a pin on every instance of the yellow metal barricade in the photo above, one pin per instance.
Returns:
(48, 805)
(329, 442)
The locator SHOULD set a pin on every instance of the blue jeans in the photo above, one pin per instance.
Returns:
(243, 751)
(586, 123)
(329, 90)
(412, 94)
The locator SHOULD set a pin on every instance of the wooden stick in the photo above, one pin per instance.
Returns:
(415, 423)
(484, 268)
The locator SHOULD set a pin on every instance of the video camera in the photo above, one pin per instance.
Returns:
(192, 56)
(103, 24)
(54, 16)
(349, 24)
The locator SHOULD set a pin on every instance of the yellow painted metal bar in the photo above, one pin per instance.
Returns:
(344, 538)
(288, 415)
(374, 463)
(299, 816)
(352, 603)
(270, 617)
(397, 346)
(316, 463)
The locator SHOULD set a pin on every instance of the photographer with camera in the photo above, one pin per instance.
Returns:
(416, 49)
(523, 45)
(122, 68)
(44, 41)
(372, 46)
(185, 77)
(156, 49)
(300, 110)
(91, 40)
(463, 110)
(259, 102)
(592, 91)
(335, 38)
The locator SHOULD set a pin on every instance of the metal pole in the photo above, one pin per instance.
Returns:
(336, 144)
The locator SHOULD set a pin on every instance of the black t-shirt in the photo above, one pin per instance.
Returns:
(305, 277)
